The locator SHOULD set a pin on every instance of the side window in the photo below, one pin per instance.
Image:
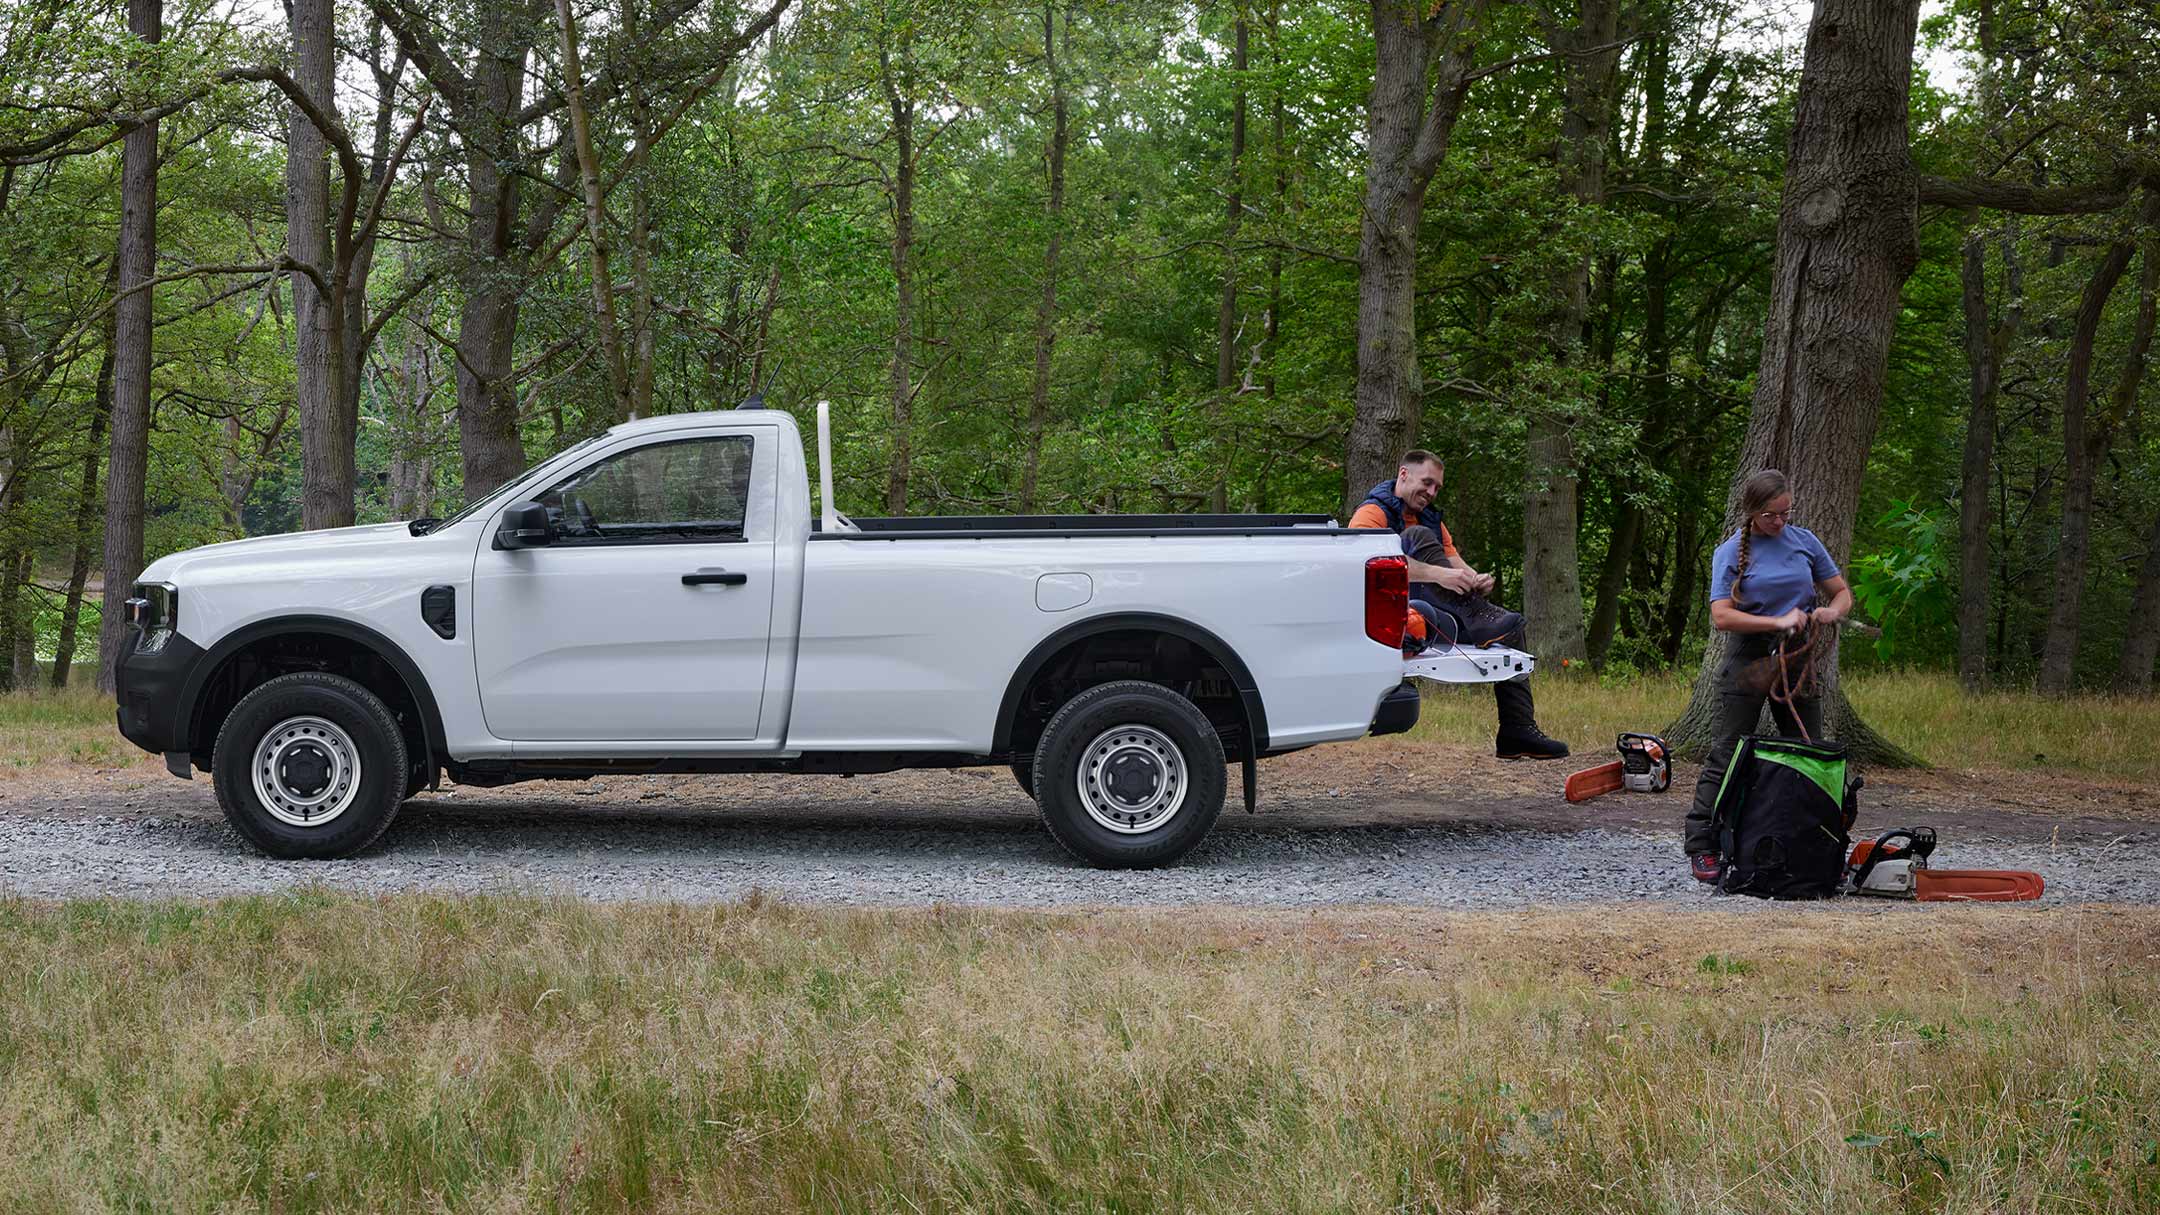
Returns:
(689, 490)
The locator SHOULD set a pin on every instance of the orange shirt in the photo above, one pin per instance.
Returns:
(1370, 515)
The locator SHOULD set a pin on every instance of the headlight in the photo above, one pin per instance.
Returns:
(154, 612)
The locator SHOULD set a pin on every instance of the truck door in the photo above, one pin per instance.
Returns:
(648, 614)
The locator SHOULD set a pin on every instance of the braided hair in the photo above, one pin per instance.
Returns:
(1759, 490)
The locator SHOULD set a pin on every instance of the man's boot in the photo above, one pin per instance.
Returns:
(1519, 736)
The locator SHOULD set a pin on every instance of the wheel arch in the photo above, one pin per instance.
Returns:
(1074, 638)
(202, 683)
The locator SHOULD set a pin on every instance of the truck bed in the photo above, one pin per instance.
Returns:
(955, 527)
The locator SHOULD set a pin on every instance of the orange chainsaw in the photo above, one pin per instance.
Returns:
(1895, 865)
(1644, 766)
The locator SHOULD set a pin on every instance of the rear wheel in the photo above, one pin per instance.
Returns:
(310, 766)
(1129, 775)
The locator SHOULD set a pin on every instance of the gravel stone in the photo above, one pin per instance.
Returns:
(976, 854)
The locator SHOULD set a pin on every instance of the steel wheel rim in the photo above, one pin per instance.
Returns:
(306, 771)
(1132, 779)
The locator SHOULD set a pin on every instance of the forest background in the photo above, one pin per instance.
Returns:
(270, 268)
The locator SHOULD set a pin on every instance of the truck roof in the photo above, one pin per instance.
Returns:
(705, 417)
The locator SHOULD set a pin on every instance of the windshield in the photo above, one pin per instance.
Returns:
(492, 499)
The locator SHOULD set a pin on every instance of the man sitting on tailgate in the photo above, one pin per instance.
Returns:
(1447, 597)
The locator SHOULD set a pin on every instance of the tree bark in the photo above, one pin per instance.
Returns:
(596, 226)
(901, 102)
(1422, 71)
(2085, 442)
(86, 518)
(15, 617)
(1589, 53)
(1848, 238)
(326, 451)
(1985, 342)
(1046, 305)
(127, 467)
(1226, 318)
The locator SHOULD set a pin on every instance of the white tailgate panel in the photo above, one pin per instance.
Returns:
(1457, 664)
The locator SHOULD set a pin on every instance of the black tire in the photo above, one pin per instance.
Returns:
(1163, 741)
(313, 726)
(1024, 772)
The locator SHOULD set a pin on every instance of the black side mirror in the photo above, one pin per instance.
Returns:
(524, 525)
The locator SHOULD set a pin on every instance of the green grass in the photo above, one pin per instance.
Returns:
(2094, 735)
(309, 1052)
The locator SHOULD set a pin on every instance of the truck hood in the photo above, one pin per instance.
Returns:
(258, 548)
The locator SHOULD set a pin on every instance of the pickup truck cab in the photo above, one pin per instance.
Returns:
(661, 598)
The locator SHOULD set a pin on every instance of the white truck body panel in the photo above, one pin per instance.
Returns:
(837, 642)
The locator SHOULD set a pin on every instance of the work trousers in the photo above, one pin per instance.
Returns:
(1740, 705)
(1477, 620)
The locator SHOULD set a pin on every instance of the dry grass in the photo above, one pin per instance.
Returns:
(501, 1055)
(2096, 735)
(70, 727)
(2102, 736)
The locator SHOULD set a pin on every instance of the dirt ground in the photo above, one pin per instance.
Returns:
(1374, 782)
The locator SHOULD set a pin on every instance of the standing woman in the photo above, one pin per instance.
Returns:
(1765, 580)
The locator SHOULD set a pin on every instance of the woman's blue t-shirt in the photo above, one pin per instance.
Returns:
(1781, 572)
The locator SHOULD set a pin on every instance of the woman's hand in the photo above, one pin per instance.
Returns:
(1828, 615)
(1792, 621)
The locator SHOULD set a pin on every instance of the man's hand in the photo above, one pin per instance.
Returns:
(1460, 581)
(1484, 583)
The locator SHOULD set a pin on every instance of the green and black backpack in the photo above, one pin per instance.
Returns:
(1782, 819)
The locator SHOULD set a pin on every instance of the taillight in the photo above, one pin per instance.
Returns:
(1387, 599)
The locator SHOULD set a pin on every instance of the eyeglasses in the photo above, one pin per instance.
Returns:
(1779, 515)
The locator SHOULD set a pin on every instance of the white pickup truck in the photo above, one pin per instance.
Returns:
(661, 599)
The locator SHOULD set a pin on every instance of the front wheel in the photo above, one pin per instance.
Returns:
(310, 766)
(1129, 775)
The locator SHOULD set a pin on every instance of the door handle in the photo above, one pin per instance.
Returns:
(709, 577)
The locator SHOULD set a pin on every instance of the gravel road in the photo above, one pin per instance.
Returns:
(959, 838)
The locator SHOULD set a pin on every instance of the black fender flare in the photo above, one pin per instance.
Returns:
(1118, 622)
(416, 685)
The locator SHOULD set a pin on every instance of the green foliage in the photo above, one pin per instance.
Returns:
(771, 209)
(1903, 584)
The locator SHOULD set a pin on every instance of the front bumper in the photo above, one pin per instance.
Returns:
(151, 689)
(1398, 709)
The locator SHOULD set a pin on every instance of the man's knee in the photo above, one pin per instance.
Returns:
(1422, 544)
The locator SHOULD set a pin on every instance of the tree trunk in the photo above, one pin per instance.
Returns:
(1984, 346)
(1279, 122)
(86, 518)
(903, 240)
(15, 617)
(642, 349)
(2141, 642)
(128, 466)
(327, 437)
(1046, 306)
(2085, 439)
(1847, 239)
(596, 228)
(491, 448)
(1226, 309)
(1552, 565)
(1409, 124)
(1613, 576)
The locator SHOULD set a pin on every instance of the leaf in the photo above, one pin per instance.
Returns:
(1860, 1140)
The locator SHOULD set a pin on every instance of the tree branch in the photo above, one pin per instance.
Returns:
(2086, 199)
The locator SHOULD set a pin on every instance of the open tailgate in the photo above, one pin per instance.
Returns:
(1470, 664)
